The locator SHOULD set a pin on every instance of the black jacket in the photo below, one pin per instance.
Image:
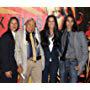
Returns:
(45, 44)
(0, 56)
(7, 46)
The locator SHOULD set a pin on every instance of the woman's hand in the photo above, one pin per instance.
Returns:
(8, 74)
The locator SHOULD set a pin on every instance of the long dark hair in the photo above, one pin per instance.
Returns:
(75, 27)
(46, 27)
(12, 18)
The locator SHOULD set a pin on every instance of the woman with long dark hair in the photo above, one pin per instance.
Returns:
(50, 44)
(8, 62)
(74, 52)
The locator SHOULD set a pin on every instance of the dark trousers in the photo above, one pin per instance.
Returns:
(68, 73)
(51, 69)
(4, 79)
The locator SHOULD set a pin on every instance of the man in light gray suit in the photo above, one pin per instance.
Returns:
(24, 53)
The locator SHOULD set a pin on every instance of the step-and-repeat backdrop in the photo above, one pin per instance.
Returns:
(81, 14)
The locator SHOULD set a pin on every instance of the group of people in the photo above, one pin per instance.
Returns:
(42, 54)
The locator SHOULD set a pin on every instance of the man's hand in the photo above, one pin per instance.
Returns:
(8, 74)
(20, 69)
(20, 79)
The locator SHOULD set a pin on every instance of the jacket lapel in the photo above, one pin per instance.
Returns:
(63, 40)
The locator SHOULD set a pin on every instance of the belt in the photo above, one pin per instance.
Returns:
(70, 59)
(37, 58)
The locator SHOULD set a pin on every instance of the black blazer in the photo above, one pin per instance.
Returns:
(0, 56)
(7, 46)
(45, 44)
(0, 52)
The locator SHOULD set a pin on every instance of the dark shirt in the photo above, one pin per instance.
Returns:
(70, 49)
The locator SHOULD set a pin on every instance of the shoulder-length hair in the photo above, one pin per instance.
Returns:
(12, 18)
(46, 27)
(75, 27)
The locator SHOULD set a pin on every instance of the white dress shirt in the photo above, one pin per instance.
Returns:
(13, 33)
(50, 46)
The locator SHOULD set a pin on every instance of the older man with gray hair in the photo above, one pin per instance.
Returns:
(29, 54)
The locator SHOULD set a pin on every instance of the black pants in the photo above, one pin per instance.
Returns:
(51, 69)
(4, 79)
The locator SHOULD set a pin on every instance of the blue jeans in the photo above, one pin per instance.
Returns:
(68, 73)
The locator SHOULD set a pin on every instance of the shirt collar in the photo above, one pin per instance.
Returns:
(13, 33)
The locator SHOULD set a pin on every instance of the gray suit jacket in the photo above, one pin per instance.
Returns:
(81, 48)
(21, 49)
